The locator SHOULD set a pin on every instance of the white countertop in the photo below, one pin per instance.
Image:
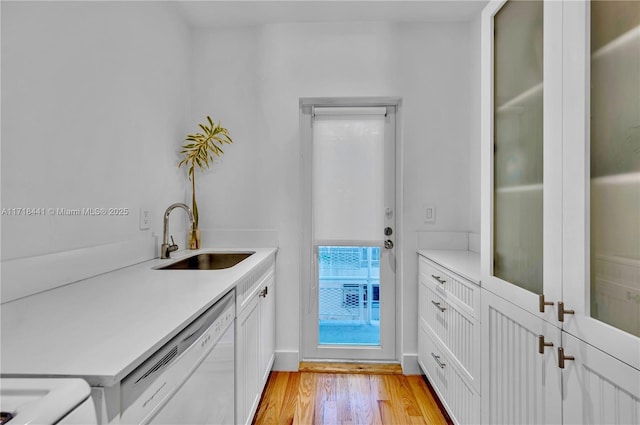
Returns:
(101, 328)
(464, 263)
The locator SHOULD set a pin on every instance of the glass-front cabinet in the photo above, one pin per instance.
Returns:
(560, 255)
(601, 176)
(522, 137)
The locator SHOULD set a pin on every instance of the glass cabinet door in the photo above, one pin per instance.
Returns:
(521, 137)
(602, 249)
(518, 140)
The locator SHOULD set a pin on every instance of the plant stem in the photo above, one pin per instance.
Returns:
(193, 199)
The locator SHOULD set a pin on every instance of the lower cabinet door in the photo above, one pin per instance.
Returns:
(248, 384)
(458, 396)
(598, 389)
(267, 327)
(521, 380)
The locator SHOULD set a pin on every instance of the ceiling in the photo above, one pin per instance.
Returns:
(215, 13)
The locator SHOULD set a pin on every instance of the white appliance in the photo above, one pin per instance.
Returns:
(190, 380)
(46, 401)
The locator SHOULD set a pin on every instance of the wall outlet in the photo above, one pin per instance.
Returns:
(145, 221)
(429, 214)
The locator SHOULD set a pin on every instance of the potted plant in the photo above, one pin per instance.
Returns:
(199, 151)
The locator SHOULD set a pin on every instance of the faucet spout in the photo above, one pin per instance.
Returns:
(166, 249)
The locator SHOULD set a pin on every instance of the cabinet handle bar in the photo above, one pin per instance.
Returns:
(542, 344)
(442, 309)
(442, 281)
(562, 357)
(437, 359)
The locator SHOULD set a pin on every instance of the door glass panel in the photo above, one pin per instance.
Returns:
(615, 164)
(349, 295)
(518, 169)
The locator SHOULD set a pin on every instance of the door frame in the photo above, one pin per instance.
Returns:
(307, 260)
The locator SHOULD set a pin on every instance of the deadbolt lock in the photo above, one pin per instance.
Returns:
(388, 231)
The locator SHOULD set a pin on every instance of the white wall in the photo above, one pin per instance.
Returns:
(255, 92)
(95, 102)
(97, 98)
(474, 133)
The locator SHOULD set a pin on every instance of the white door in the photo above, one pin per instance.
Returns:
(521, 153)
(349, 302)
(521, 380)
(601, 179)
(597, 389)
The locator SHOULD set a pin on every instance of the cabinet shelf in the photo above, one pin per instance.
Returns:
(616, 179)
(520, 188)
(515, 104)
(618, 42)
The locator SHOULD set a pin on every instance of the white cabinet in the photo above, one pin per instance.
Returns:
(267, 327)
(521, 381)
(598, 389)
(561, 212)
(255, 339)
(449, 338)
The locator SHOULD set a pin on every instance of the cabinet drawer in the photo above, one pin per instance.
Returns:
(455, 288)
(460, 399)
(252, 284)
(456, 330)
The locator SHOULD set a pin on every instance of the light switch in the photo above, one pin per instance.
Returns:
(430, 214)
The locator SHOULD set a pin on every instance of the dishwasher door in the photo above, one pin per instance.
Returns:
(208, 395)
(190, 380)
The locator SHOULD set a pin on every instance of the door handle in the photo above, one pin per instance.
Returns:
(562, 358)
(388, 244)
(542, 343)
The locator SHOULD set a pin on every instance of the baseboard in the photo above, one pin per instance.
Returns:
(286, 361)
(410, 364)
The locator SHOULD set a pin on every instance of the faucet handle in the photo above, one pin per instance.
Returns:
(173, 247)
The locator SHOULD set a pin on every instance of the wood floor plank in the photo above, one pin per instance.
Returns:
(343, 397)
(325, 392)
(426, 401)
(288, 406)
(305, 403)
(387, 413)
(273, 395)
(307, 398)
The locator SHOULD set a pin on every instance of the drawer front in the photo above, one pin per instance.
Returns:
(460, 399)
(456, 289)
(456, 330)
(252, 284)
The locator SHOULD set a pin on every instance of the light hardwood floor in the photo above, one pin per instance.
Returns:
(314, 397)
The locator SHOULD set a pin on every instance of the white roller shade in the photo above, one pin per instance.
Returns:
(348, 176)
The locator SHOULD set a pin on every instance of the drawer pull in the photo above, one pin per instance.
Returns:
(437, 359)
(442, 309)
(442, 281)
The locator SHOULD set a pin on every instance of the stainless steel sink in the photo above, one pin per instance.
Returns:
(209, 261)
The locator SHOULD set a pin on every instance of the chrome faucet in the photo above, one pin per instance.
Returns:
(166, 249)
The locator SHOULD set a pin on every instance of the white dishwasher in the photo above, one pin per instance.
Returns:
(190, 380)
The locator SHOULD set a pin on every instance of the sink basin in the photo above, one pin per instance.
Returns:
(209, 261)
